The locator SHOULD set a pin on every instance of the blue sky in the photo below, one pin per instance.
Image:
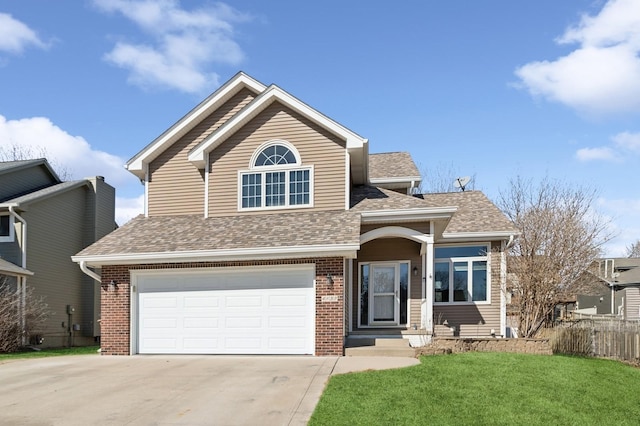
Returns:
(494, 89)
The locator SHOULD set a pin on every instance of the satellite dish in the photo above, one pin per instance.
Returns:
(461, 182)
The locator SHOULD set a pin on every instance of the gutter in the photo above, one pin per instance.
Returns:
(89, 272)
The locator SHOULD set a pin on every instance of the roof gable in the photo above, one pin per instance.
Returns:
(393, 169)
(42, 194)
(356, 145)
(13, 166)
(136, 165)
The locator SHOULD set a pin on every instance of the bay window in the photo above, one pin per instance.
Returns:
(461, 274)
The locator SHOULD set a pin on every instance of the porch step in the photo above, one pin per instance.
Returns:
(380, 351)
(378, 346)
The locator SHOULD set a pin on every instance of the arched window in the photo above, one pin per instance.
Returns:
(277, 179)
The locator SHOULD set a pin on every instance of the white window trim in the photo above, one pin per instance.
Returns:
(272, 142)
(262, 171)
(469, 260)
(409, 274)
(12, 235)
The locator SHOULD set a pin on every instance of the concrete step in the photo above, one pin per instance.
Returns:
(392, 343)
(380, 351)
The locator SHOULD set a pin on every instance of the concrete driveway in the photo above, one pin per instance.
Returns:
(162, 390)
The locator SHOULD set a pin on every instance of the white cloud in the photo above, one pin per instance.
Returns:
(128, 208)
(628, 141)
(72, 155)
(183, 43)
(602, 75)
(16, 36)
(602, 153)
(625, 145)
(624, 213)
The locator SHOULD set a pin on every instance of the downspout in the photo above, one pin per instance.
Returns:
(89, 272)
(23, 287)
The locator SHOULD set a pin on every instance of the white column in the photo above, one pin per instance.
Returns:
(427, 288)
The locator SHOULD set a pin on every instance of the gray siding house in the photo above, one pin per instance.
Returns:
(43, 221)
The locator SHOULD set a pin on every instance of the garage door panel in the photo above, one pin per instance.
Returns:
(201, 323)
(244, 301)
(244, 322)
(288, 301)
(241, 343)
(246, 311)
(201, 301)
(200, 344)
(288, 322)
(160, 323)
(156, 302)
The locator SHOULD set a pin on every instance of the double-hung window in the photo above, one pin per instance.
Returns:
(461, 274)
(276, 179)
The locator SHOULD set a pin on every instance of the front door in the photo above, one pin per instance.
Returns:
(384, 298)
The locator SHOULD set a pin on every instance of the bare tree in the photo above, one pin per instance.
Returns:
(12, 328)
(634, 249)
(560, 236)
(16, 152)
(441, 178)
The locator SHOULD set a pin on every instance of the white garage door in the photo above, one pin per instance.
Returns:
(240, 311)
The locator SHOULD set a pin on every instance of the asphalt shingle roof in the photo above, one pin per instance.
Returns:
(11, 165)
(8, 268)
(43, 193)
(475, 212)
(392, 165)
(163, 234)
(365, 198)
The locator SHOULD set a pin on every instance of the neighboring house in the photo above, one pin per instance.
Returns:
(270, 229)
(622, 276)
(43, 221)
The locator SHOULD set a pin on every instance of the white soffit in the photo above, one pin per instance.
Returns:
(379, 216)
(272, 94)
(478, 236)
(290, 252)
(136, 165)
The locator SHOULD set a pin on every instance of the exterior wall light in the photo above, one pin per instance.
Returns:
(330, 280)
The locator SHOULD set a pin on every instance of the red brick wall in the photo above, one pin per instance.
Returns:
(116, 302)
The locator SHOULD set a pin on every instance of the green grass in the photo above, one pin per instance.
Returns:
(81, 350)
(486, 389)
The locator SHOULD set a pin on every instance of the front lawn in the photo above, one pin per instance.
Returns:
(30, 353)
(486, 388)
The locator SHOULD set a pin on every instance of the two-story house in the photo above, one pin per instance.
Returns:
(270, 229)
(43, 221)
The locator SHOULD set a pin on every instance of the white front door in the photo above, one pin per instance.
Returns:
(384, 298)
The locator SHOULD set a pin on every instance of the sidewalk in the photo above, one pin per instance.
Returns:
(350, 364)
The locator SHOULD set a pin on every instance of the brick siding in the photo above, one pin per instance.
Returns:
(116, 303)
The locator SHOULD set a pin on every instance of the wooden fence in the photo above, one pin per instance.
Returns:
(608, 338)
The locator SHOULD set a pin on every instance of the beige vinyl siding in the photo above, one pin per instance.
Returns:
(19, 182)
(176, 186)
(317, 148)
(391, 250)
(55, 229)
(472, 319)
(632, 303)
